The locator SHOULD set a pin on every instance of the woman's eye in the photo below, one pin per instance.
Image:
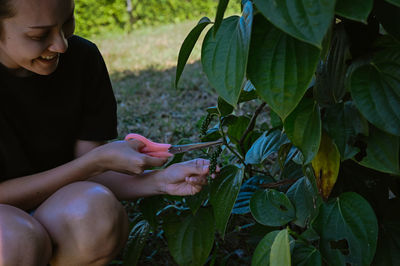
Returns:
(39, 38)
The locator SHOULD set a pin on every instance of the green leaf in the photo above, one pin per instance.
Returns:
(149, 207)
(194, 202)
(190, 240)
(264, 146)
(305, 200)
(222, 4)
(343, 123)
(382, 152)
(236, 130)
(224, 57)
(136, 241)
(224, 108)
(280, 250)
(224, 192)
(306, 255)
(348, 229)
(375, 91)
(307, 21)
(280, 67)
(263, 250)
(329, 87)
(357, 10)
(303, 128)
(271, 207)
(394, 2)
(188, 45)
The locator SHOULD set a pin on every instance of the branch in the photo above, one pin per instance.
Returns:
(251, 125)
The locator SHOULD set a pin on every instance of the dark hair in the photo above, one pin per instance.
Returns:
(6, 11)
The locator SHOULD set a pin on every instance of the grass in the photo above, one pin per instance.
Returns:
(142, 68)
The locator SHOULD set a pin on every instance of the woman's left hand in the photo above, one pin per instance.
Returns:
(186, 178)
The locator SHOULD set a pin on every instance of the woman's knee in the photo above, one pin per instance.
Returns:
(86, 217)
(23, 240)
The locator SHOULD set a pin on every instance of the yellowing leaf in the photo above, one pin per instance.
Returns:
(326, 165)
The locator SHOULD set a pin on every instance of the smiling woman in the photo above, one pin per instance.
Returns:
(57, 111)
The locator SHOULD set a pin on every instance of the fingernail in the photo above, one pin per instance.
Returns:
(205, 167)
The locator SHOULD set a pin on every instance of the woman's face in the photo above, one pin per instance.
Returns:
(34, 38)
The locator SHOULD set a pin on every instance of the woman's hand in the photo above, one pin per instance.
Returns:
(124, 157)
(186, 178)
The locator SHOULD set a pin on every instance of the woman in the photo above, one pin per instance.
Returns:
(57, 110)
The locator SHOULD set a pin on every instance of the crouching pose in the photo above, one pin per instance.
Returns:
(61, 180)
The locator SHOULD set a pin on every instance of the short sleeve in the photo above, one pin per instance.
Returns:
(99, 111)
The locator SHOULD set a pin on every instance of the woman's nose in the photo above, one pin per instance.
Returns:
(59, 43)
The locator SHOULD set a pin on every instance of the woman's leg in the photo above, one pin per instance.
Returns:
(87, 224)
(23, 240)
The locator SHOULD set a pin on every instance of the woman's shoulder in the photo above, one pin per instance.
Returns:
(81, 47)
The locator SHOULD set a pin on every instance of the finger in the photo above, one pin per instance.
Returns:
(196, 180)
(154, 161)
(196, 189)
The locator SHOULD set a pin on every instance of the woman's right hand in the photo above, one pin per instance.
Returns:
(124, 157)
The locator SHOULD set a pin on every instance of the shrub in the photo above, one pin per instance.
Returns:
(322, 178)
(102, 16)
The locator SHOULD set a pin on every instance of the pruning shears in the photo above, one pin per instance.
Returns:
(163, 150)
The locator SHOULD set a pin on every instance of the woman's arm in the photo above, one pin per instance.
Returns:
(122, 156)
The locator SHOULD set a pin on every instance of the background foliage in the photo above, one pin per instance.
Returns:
(95, 17)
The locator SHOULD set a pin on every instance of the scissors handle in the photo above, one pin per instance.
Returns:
(151, 148)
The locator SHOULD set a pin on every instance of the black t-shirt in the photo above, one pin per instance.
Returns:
(41, 117)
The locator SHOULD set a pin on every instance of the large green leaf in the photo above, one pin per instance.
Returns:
(382, 152)
(265, 145)
(224, 192)
(136, 242)
(356, 9)
(343, 122)
(348, 229)
(280, 250)
(224, 57)
(307, 21)
(303, 128)
(375, 89)
(306, 255)
(263, 250)
(280, 67)
(188, 45)
(305, 200)
(190, 240)
(236, 129)
(271, 207)
(329, 87)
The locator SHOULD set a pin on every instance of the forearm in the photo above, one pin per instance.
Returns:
(129, 187)
(29, 191)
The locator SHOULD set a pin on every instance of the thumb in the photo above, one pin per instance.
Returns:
(136, 144)
(154, 161)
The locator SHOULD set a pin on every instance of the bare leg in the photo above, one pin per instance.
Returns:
(87, 224)
(23, 240)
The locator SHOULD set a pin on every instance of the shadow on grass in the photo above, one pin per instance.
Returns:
(149, 104)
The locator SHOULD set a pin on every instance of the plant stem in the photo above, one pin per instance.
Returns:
(279, 183)
(221, 130)
(251, 125)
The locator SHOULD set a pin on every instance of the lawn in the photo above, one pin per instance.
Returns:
(142, 66)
